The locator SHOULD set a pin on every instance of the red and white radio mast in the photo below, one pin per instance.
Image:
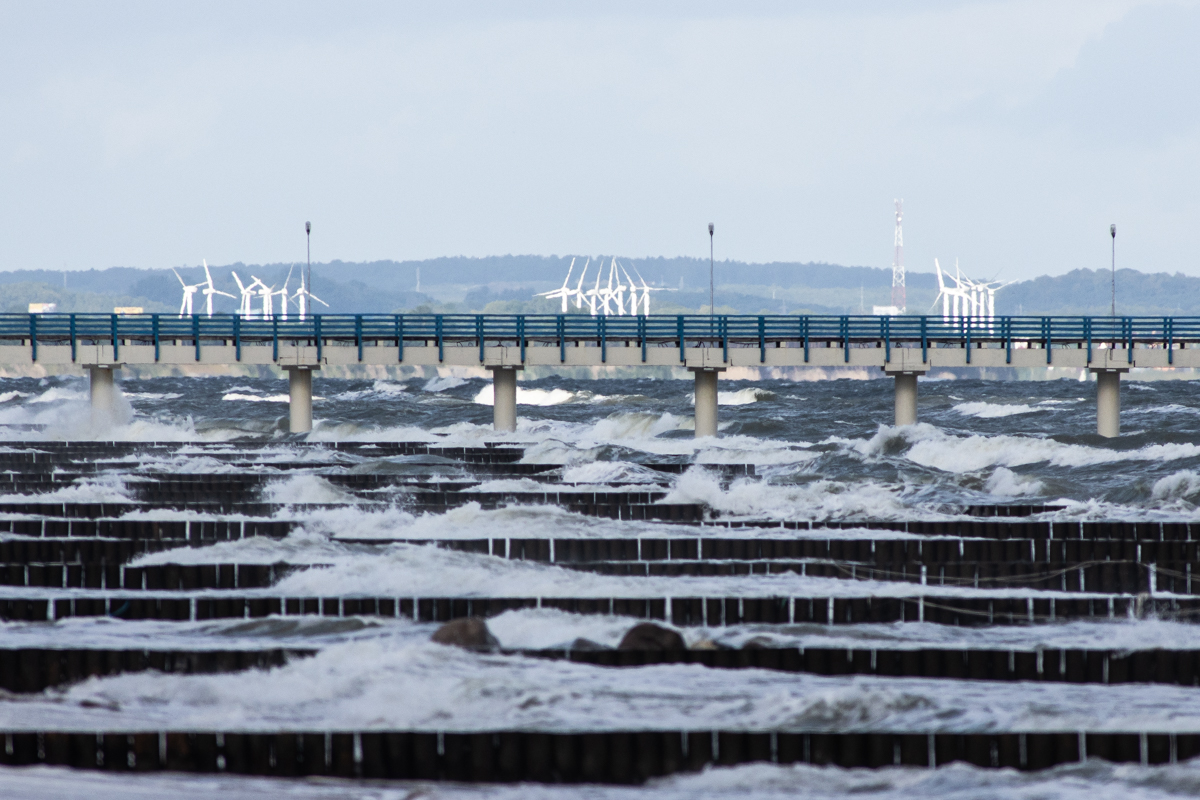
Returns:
(898, 298)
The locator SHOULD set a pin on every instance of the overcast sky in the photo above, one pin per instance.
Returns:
(154, 134)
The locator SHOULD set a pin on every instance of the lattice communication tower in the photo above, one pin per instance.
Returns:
(898, 298)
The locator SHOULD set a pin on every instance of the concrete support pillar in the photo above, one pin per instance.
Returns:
(906, 398)
(300, 399)
(706, 402)
(1108, 403)
(103, 394)
(504, 399)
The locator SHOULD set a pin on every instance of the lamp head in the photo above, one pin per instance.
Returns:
(1113, 230)
(308, 227)
(710, 229)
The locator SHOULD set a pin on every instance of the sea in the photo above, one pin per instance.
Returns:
(821, 450)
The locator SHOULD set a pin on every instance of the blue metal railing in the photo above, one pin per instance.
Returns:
(684, 331)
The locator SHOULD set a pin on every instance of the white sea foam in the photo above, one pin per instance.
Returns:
(557, 442)
(610, 472)
(423, 570)
(992, 410)
(232, 634)
(99, 489)
(1093, 780)
(511, 485)
(13, 395)
(378, 389)
(530, 397)
(258, 398)
(1163, 410)
(548, 628)
(59, 394)
(819, 499)
(441, 384)
(932, 447)
(1177, 486)
(741, 397)
(329, 431)
(1006, 483)
(148, 396)
(304, 489)
(381, 685)
(468, 521)
(551, 628)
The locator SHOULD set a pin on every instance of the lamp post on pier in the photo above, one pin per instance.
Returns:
(1112, 229)
(711, 291)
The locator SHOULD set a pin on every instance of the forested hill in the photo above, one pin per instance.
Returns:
(507, 283)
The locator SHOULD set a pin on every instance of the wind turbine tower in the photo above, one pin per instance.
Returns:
(898, 298)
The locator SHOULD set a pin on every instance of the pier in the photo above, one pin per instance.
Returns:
(904, 348)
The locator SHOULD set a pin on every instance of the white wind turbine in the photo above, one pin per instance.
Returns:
(619, 292)
(593, 294)
(633, 293)
(185, 308)
(607, 295)
(210, 290)
(646, 290)
(246, 308)
(283, 295)
(578, 294)
(563, 291)
(944, 294)
(967, 298)
(303, 296)
(267, 295)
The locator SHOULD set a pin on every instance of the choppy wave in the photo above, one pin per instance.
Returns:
(932, 447)
(58, 394)
(743, 397)
(1006, 483)
(304, 489)
(1178, 485)
(831, 435)
(148, 396)
(819, 499)
(597, 472)
(1093, 780)
(378, 684)
(257, 398)
(441, 384)
(532, 397)
(379, 389)
(992, 410)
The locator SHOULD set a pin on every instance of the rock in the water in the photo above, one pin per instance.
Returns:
(648, 636)
(465, 632)
(587, 645)
(757, 643)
